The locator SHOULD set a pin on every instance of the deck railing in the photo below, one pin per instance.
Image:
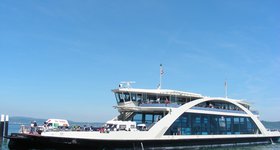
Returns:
(218, 109)
(159, 105)
(197, 108)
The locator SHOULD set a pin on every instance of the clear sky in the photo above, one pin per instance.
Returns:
(61, 58)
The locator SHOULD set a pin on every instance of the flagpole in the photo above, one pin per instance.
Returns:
(160, 76)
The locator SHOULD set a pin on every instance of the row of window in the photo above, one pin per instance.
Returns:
(150, 98)
(147, 118)
(204, 124)
(160, 99)
(220, 105)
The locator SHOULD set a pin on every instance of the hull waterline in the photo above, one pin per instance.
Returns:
(21, 141)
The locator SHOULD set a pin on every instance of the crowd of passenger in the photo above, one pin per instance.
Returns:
(84, 128)
(219, 106)
(35, 129)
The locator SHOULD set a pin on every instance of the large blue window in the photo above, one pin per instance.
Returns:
(204, 124)
(228, 125)
(236, 125)
(147, 118)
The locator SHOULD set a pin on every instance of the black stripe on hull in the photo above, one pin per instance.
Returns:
(24, 141)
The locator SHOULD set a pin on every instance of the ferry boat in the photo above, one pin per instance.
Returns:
(161, 119)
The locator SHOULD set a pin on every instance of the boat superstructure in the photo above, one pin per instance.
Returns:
(185, 113)
(162, 118)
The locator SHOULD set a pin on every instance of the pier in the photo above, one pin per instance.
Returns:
(4, 126)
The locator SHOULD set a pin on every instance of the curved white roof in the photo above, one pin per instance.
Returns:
(170, 92)
(159, 91)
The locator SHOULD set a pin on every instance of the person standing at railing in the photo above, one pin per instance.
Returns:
(32, 127)
(166, 101)
(35, 126)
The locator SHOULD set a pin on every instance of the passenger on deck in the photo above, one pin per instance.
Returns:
(45, 124)
(33, 127)
(158, 100)
(166, 101)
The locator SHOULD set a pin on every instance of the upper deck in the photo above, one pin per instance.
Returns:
(135, 99)
(131, 99)
(150, 96)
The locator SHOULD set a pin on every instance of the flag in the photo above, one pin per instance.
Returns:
(161, 70)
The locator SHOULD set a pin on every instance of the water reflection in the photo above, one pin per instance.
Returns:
(4, 144)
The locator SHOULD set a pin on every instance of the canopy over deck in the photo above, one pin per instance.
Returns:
(158, 92)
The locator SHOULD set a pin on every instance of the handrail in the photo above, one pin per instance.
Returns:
(216, 109)
(160, 105)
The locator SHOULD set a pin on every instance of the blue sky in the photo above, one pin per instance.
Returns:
(60, 59)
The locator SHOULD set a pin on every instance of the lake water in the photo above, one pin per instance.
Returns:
(15, 128)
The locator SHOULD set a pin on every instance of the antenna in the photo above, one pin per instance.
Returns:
(160, 76)
(126, 84)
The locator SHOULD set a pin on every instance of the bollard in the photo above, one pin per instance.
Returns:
(7, 126)
(2, 126)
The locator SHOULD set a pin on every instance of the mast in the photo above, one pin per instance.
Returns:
(160, 76)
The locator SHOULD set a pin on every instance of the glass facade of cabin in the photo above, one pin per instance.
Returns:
(152, 98)
(147, 118)
(206, 124)
(161, 100)
(219, 106)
